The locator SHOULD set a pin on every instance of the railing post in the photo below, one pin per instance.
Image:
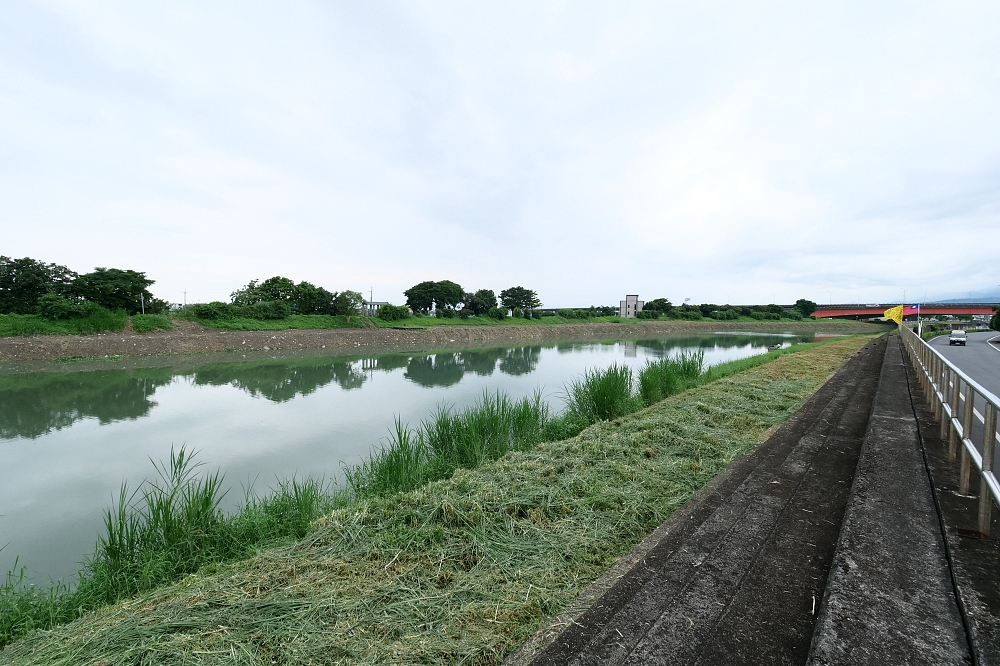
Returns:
(985, 497)
(942, 397)
(966, 468)
(952, 430)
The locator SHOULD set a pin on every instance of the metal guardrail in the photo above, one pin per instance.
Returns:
(953, 396)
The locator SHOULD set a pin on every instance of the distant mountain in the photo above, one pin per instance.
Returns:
(985, 298)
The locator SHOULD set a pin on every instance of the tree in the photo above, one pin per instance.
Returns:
(805, 307)
(448, 294)
(420, 297)
(995, 319)
(115, 289)
(348, 303)
(444, 294)
(24, 281)
(480, 302)
(660, 305)
(520, 298)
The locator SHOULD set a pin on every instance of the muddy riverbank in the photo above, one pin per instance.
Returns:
(187, 338)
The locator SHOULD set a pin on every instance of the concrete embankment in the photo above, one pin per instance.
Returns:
(190, 338)
(841, 540)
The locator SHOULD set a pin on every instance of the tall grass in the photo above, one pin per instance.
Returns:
(169, 527)
(663, 378)
(602, 395)
(448, 441)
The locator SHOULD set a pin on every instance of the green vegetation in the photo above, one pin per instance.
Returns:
(995, 320)
(151, 322)
(173, 526)
(459, 570)
(98, 321)
(289, 322)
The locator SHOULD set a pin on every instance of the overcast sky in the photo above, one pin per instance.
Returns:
(724, 152)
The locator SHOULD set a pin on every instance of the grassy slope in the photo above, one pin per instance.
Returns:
(459, 570)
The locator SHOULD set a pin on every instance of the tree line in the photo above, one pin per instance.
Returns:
(661, 307)
(32, 287)
(448, 299)
(279, 297)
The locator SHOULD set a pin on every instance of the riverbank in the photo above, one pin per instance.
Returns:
(190, 338)
(458, 570)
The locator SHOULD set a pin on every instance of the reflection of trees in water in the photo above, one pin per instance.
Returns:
(448, 368)
(32, 405)
(663, 348)
(278, 381)
(520, 360)
(438, 370)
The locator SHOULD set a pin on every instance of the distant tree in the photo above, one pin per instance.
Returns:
(661, 305)
(444, 294)
(519, 298)
(275, 289)
(348, 303)
(24, 281)
(448, 294)
(420, 297)
(480, 302)
(805, 307)
(244, 295)
(995, 319)
(115, 289)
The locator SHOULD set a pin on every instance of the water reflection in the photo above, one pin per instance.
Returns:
(38, 403)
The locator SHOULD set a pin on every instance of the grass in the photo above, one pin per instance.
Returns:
(462, 568)
(171, 527)
(289, 322)
(100, 322)
(144, 323)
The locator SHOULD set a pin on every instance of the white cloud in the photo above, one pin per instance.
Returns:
(726, 152)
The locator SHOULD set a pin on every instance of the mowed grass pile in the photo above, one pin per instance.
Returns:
(460, 570)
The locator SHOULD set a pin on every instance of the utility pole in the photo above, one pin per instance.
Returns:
(185, 299)
(142, 303)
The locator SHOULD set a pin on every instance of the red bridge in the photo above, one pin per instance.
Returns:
(877, 310)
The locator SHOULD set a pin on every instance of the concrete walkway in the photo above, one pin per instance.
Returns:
(825, 546)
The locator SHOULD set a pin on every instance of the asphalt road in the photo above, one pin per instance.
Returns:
(979, 359)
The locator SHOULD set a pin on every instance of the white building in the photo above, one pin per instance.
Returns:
(630, 306)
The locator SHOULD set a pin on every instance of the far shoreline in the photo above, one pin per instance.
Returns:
(21, 354)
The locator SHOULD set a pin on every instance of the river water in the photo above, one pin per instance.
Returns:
(69, 438)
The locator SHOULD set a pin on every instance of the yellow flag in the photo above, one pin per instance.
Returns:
(895, 314)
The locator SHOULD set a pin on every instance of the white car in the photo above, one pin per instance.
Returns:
(957, 337)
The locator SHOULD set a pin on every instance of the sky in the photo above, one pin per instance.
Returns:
(726, 152)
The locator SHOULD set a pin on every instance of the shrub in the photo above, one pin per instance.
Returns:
(726, 314)
(57, 306)
(444, 313)
(266, 310)
(393, 312)
(497, 313)
(565, 313)
(647, 314)
(213, 310)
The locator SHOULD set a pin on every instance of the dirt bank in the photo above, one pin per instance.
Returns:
(188, 338)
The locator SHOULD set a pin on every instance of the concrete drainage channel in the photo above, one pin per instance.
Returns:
(839, 540)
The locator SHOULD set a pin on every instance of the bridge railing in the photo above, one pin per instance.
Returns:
(962, 406)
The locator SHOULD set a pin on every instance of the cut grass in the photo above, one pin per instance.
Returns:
(460, 570)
